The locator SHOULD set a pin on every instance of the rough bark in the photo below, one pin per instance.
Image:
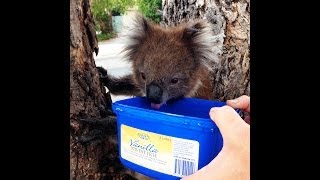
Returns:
(231, 25)
(93, 138)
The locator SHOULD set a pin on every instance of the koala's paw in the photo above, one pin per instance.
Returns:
(103, 73)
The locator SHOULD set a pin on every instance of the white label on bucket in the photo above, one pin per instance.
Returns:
(165, 154)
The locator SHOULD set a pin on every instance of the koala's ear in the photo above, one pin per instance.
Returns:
(198, 36)
(136, 35)
(140, 27)
(143, 23)
(195, 29)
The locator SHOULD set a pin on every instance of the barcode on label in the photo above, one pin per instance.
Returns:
(183, 167)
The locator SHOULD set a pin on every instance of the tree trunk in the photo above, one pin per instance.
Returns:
(93, 138)
(93, 135)
(231, 25)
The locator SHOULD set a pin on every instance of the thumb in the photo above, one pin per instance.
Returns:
(226, 118)
(242, 102)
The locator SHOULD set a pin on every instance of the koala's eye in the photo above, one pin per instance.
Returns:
(174, 80)
(143, 76)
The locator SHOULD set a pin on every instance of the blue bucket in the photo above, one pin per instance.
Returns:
(167, 143)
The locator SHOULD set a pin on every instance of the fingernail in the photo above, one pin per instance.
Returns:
(234, 101)
(213, 109)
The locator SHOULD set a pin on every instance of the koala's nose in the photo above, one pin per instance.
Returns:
(154, 93)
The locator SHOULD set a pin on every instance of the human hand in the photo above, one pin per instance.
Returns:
(233, 161)
(243, 103)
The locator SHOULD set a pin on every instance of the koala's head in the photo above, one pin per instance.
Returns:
(167, 62)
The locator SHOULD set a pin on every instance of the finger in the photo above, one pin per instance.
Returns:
(247, 120)
(242, 102)
(225, 117)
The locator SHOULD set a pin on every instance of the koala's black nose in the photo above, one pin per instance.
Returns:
(154, 93)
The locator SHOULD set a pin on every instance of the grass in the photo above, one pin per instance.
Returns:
(103, 37)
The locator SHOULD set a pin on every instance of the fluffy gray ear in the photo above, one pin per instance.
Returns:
(196, 29)
(140, 25)
(136, 34)
(199, 37)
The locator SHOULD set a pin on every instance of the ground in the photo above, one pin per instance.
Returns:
(111, 58)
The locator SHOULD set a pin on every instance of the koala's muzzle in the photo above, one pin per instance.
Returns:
(154, 93)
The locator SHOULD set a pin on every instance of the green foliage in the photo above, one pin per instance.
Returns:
(105, 36)
(121, 6)
(149, 8)
(102, 9)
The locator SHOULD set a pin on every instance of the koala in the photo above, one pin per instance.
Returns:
(167, 63)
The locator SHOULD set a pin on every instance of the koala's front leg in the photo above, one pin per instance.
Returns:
(119, 86)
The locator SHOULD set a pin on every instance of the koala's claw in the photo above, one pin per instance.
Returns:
(102, 72)
(103, 75)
